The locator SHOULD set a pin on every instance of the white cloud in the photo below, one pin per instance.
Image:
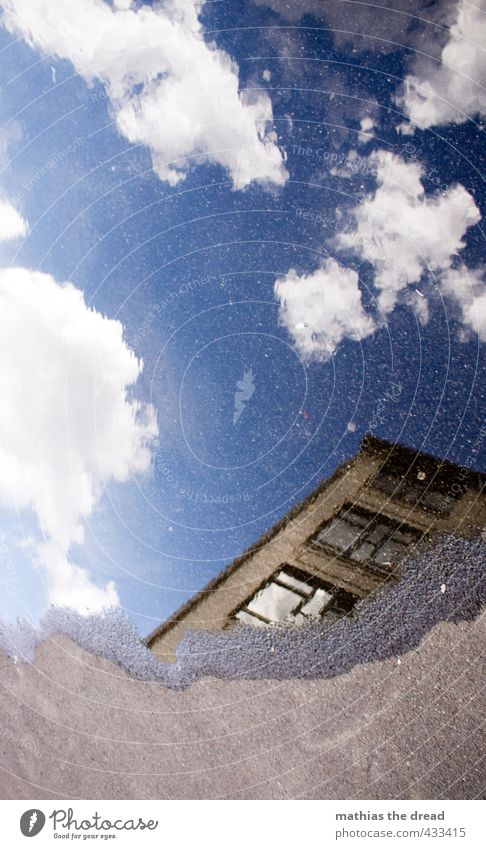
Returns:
(468, 288)
(67, 425)
(322, 308)
(366, 132)
(402, 231)
(169, 90)
(420, 306)
(455, 89)
(408, 237)
(12, 223)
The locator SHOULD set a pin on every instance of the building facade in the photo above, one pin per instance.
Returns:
(336, 548)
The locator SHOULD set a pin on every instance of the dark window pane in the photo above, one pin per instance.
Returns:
(436, 501)
(339, 534)
(379, 533)
(363, 552)
(391, 552)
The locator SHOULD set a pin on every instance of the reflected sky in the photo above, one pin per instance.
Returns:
(190, 271)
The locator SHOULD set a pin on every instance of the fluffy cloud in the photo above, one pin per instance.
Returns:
(321, 309)
(405, 235)
(453, 90)
(402, 232)
(468, 289)
(168, 88)
(12, 223)
(366, 133)
(67, 425)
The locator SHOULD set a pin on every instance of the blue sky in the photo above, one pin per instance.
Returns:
(250, 227)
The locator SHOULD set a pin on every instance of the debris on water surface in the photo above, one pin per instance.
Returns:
(394, 621)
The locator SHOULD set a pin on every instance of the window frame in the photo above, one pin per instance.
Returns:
(342, 601)
(438, 480)
(373, 520)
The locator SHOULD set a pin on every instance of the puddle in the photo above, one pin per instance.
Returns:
(446, 582)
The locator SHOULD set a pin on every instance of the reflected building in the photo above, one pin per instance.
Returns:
(339, 546)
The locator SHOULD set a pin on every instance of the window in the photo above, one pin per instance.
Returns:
(421, 481)
(294, 597)
(366, 538)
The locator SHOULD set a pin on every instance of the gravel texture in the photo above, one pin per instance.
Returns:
(389, 705)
